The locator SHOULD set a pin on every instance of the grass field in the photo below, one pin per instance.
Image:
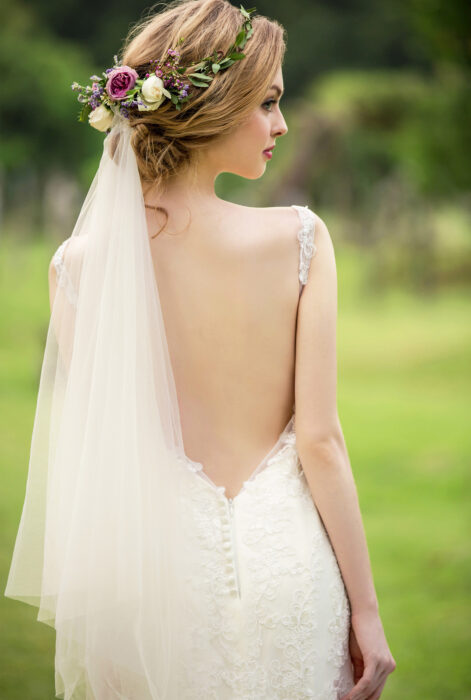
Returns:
(404, 367)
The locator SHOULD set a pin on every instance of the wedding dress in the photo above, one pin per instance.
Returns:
(264, 577)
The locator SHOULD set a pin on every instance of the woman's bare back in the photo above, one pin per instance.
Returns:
(229, 291)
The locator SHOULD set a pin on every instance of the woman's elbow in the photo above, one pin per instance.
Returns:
(325, 448)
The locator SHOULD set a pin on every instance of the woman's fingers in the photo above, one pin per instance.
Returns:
(363, 689)
(371, 684)
(371, 658)
(377, 694)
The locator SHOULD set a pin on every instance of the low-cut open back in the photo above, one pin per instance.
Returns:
(307, 249)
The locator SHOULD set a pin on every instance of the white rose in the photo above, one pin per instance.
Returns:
(101, 118)
(144, 106)
(153, 92)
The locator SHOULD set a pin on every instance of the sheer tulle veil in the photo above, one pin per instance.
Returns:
(101, 547)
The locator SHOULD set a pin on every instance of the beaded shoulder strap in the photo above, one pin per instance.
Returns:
(307, 247)
(63, 278)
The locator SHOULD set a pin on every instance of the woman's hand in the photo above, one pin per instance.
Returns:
(371, 658)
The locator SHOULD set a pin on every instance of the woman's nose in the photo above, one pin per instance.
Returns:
(280, 127)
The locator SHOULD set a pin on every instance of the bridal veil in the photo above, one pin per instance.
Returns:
(101, 547)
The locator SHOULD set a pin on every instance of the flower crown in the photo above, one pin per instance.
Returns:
(120, 88)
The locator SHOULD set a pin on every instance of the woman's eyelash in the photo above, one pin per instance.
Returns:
(269, 102)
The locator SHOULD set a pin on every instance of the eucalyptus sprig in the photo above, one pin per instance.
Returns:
(218, 61)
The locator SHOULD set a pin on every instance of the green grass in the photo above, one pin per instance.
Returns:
(403, 368)
(404, 365)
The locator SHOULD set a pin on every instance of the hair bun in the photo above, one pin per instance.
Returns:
(158, 154)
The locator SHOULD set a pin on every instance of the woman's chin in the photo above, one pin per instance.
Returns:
(254, 173)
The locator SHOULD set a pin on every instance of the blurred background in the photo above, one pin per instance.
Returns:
(378, 105)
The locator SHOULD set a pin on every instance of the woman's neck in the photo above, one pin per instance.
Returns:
(192, 189)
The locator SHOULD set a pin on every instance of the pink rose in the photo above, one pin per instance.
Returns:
(120, 80)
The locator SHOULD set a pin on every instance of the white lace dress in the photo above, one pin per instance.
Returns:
(277, 611)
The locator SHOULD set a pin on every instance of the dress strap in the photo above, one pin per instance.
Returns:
(63, 278)
(307, 247)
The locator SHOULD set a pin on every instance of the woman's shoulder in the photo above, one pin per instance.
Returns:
(312, 235)
(284, 218)
(70, 249)
(65, 266)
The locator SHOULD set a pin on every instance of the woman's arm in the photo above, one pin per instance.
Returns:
(329, 475)
(324, 458)
(319, 435)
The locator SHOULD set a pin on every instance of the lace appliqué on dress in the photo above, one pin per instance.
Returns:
(63, 278)
(270, 590)
(307, 247)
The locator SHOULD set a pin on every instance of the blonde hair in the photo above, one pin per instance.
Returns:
(167, 141)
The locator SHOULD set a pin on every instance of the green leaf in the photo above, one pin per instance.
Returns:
(84, 112)
(215, 67)
(198, 83)
(239, 38)
(174, 99)
(201, 76)
(237, 56)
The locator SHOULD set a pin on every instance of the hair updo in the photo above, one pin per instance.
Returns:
(166, 141)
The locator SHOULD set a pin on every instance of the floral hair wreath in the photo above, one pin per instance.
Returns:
(120, 88)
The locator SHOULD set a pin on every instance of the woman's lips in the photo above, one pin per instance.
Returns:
(268, 153)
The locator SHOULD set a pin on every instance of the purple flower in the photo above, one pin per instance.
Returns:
(120, 80)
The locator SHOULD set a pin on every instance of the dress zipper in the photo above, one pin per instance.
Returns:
(234, 553)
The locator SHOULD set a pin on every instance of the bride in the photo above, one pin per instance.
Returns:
(191, 527)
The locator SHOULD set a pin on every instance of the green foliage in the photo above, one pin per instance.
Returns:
(37, 109)
(394, 123)
(84, 112)
(442, 29)
(217, 61)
